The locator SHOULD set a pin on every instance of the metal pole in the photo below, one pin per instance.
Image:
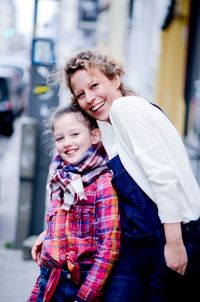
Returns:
(35, 18)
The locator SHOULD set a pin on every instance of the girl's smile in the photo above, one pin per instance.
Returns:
(72, 137)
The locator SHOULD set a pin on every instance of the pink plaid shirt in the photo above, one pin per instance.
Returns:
(90, 227)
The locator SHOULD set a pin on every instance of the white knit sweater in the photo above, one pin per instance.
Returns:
(153, 153)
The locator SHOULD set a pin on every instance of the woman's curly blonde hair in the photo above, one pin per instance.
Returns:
(93, 58)
(90, 58)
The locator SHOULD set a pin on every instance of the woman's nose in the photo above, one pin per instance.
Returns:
(89, 97)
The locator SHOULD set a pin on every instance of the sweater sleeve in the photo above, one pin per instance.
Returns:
(108, 233)
(143, 129)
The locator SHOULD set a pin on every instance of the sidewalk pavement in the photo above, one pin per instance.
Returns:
(17, 276)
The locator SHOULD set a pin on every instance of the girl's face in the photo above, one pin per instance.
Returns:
(72, 137)
(95, 92)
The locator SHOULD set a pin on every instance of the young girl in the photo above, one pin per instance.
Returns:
(81, 243)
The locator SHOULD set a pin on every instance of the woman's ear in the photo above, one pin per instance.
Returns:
(117, 81)
(96, 136)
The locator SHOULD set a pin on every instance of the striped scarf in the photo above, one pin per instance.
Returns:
(71, 179)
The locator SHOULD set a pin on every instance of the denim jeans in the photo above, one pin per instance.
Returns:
(66, 290)
(141, 274)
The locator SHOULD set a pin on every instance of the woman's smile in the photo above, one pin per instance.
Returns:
(95, 92)
(97, 106)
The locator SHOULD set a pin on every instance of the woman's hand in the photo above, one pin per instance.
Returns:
(175, 252)
(37, 247)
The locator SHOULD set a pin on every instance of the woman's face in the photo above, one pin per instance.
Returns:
(95, 92)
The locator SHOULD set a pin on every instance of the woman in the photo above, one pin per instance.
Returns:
(158, 195)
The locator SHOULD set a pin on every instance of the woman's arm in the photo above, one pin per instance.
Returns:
(153, 153)
(37, 247)
(175, 252)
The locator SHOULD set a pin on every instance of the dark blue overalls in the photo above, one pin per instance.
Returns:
(141, 274)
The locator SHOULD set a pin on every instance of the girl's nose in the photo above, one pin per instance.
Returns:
(67, 142)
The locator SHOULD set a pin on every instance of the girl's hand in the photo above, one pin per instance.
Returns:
(37, 247)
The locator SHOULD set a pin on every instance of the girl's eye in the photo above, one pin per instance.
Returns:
(75, 134)
(58, 139)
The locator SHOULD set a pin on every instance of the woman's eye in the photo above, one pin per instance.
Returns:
(79, 96)
(94, 85)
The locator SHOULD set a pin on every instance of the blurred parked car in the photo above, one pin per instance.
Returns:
(12, 98)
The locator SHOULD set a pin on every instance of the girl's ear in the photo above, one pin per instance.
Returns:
(96, 136)
(117, 81)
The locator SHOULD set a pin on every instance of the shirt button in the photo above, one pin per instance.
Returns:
(69, 276)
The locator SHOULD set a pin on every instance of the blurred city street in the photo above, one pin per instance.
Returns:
(17, 276)
(158, 42)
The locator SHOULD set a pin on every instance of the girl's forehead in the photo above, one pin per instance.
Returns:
(70, 120)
